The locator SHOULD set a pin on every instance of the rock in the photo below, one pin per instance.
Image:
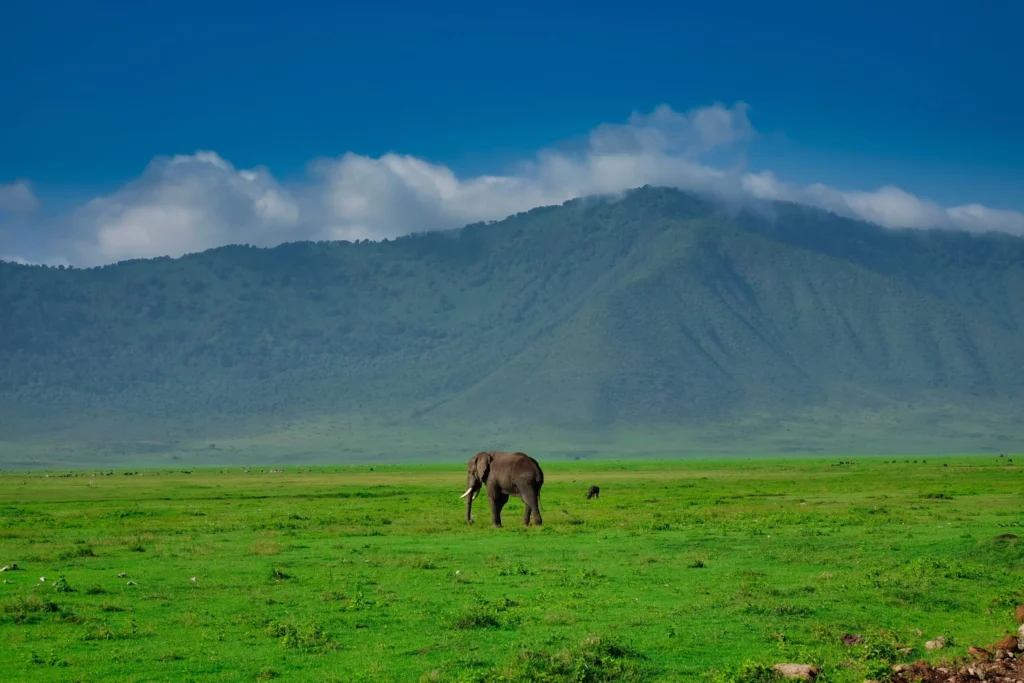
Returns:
(803, 672)
(1006, 670)
(1020, 614)
(979, 653)
(1000, 655)
(936, 644)
(1009, 644)
(851, 639)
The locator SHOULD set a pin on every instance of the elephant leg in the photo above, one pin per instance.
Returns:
(497, 501)
(526, 513)
(532, 502)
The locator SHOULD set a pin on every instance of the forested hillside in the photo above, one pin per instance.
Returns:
(659, 312)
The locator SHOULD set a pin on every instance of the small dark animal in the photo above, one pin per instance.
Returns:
(594, 492)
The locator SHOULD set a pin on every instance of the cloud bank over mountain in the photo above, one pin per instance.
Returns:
(187, 203)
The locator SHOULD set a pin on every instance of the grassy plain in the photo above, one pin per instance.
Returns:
(681, 570)
(367, 440)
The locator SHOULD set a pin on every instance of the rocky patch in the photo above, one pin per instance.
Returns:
(1001, 662)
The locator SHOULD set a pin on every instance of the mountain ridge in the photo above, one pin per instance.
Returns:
(656, 310)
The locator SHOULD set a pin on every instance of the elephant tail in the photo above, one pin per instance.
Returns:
(539, 477)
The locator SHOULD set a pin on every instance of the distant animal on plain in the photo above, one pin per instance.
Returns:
(594, 492)
(504, 474)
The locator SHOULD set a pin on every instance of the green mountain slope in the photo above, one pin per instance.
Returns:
(710, 322)
(659, 312)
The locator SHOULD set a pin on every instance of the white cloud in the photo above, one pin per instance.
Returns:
(667, 132)
(182, 204)
(188, 203)
(18, 198)
(887, 206)
(978, 217)
(359, 197)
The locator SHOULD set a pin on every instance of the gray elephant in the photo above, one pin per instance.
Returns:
(505, 474)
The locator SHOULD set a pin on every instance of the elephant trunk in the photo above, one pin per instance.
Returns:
(470, 495)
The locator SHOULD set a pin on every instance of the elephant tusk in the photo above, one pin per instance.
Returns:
(468, 491)
(475, 494)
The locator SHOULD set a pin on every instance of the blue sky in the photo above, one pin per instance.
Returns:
(926, 96)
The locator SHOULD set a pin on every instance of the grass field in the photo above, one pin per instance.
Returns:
(97, 441)
(681, 570)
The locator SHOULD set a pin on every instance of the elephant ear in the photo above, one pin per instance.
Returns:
(483, 465)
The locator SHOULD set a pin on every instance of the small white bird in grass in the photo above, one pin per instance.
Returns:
(193, 579)
(122, 575)
(131, 583)
(42, 578)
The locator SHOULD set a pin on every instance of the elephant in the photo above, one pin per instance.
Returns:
(594, 492)
(505, 474)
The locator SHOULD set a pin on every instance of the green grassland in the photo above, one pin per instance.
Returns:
(323, 440)
(681, 570)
